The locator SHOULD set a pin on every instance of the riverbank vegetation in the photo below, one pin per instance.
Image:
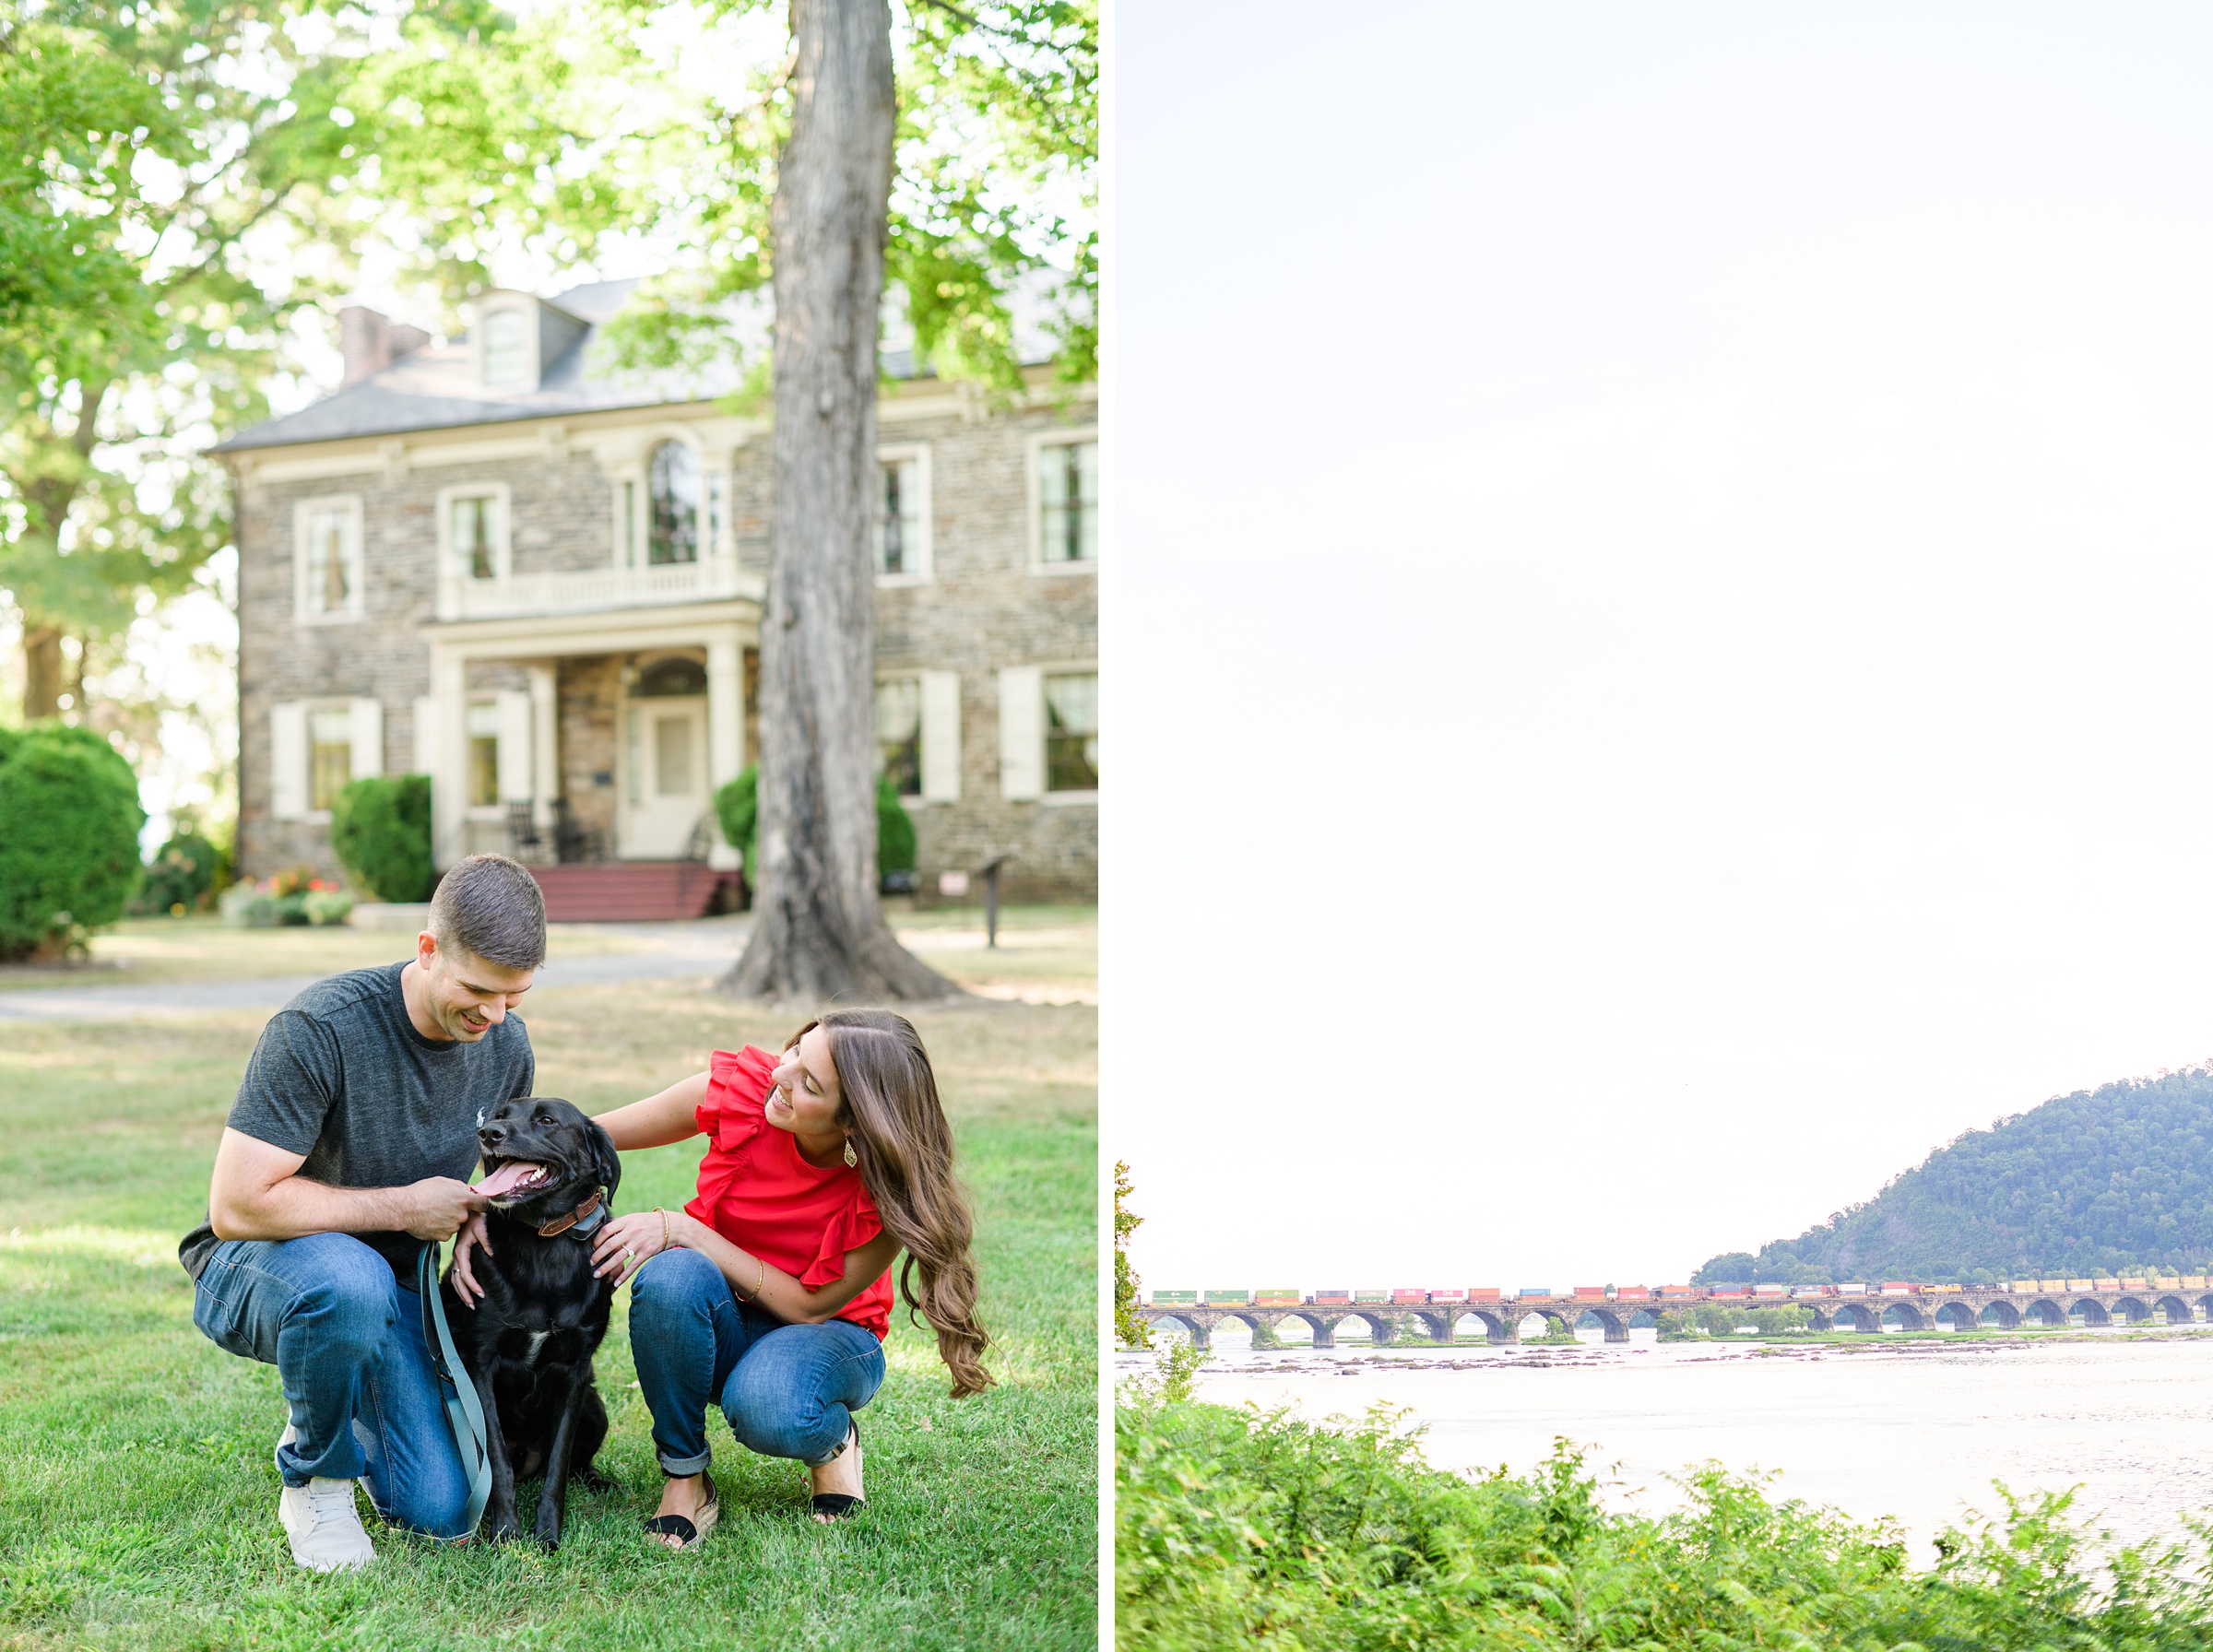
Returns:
(1239, 1529)
(2100, 1183)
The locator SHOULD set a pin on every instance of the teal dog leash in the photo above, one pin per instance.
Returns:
(463, 1411)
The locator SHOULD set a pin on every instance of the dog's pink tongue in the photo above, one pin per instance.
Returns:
(506, 1177)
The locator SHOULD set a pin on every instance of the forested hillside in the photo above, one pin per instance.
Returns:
(2100, 1181)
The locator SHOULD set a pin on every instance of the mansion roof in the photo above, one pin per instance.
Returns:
(440, 386)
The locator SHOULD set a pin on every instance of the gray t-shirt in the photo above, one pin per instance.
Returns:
(341, 1074)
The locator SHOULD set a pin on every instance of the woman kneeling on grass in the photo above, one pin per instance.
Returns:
(776, 1292)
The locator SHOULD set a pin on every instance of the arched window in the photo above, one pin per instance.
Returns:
(668, 677)
(672, 504)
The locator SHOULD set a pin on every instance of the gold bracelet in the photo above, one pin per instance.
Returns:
(760, 1279)
(664, 1216)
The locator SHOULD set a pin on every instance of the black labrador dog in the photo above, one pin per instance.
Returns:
(551, 1174)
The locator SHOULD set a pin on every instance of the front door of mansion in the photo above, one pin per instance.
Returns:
(664, 793)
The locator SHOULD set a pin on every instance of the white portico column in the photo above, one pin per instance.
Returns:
(725, 730)
(449, 779)
(545, 774)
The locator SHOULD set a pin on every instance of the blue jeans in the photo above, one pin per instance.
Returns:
(789, 1391)
(347, 1341)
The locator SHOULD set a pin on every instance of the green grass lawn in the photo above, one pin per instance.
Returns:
(137, 1500)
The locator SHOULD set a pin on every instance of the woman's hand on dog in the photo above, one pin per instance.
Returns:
(628, 1243)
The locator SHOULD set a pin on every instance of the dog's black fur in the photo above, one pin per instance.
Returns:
(529, 1341)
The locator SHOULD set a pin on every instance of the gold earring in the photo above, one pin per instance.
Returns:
(852, 1158)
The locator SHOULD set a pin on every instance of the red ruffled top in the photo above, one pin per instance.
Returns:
(757, 1192)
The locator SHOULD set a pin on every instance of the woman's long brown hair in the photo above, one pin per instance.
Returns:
(888, 1106)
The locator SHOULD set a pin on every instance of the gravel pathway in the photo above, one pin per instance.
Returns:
(681, 954)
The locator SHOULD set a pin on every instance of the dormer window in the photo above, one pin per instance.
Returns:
(506, 348)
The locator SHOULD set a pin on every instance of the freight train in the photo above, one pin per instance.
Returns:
(1411, 1296)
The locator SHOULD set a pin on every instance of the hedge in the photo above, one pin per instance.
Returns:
(379, 830)
(69, 824)
(738, 806)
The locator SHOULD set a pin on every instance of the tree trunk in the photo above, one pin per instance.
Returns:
(819, 933)
(42, 667)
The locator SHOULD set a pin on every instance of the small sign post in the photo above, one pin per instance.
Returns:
(988, 872)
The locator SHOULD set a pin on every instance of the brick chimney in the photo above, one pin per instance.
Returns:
(371, 342)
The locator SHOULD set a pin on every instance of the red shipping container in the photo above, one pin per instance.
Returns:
(1398, 1295)
(1633, 1292)
(1483, 1293)
(1448, 1296)
(1591, 1293)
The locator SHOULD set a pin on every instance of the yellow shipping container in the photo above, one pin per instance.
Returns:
(2105, 1285)
(2080, 1285)
(2052, 1284)
(2167, 1284)
(2136, 1284)
(2028, 1286)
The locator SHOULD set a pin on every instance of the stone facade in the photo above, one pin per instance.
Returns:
(419, 651)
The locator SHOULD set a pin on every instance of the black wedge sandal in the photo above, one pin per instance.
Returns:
(689, 1534)
(834, 1507)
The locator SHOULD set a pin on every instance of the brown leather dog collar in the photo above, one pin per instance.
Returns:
(549, 1229)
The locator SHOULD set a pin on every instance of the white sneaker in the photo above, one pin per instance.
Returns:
(323, 1526)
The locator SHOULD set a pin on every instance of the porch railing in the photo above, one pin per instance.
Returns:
(588, 590)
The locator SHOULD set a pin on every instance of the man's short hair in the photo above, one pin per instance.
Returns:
(490, 906)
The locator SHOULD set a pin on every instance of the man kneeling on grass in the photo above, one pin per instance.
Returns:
(349, 1147)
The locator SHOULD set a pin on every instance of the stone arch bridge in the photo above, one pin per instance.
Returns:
(1501, 1322)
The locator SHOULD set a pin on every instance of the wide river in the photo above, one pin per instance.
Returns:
(1914, 1429)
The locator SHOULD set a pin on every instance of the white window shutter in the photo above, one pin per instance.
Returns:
(426, 735)
(1021, 733)
(514, 745)
(368, 737)
(288, 759)
(941, 737)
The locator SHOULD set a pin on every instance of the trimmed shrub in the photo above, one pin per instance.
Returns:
(379, 830)
(894, 831)
(69, 824)
(181, 876)
(738, 806)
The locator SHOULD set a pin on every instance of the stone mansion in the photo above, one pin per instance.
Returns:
(539, 582)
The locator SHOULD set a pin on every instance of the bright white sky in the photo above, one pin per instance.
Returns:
(1661, 615)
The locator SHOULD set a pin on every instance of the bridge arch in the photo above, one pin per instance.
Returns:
(2205, 1305)
(1383, 1327)
(1489, 1322)
(2176, 1310)
(1555, 1323)
(2044, 1312)
(2092, 1311)
(1857, 1315)
(1609, 1321)
(1958, 1316)
(1910, 1318)
(1644, 1319)
(1314, 1322)
(2003, 1315)
(1196, 1329)
(2130, 1310)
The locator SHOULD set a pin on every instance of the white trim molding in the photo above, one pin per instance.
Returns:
(347, 509)
(916, 551)
(1033, 453)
